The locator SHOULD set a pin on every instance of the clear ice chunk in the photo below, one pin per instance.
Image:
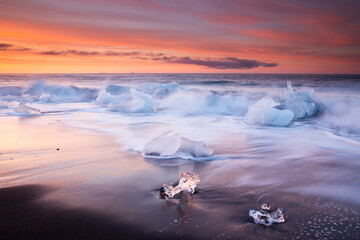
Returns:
(172, 145)
(264, 113)
(266, 215)
(187, 183)
(25, 109)
(301, 102)
(139, 103)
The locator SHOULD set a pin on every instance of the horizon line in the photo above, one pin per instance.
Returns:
(183, 73)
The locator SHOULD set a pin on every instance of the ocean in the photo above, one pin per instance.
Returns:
(290, 140)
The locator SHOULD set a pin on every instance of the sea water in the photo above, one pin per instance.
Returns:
(277, 132)
(305, 136)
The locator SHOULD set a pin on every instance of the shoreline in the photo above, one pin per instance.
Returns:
(90, 189)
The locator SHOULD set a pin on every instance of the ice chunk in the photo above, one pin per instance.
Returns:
(266, 215)
(138, 103)
(172, 145)
(44, 98)
(300, 102)
(117, 89)
(264, 113)
(187, 182)
(23, 108)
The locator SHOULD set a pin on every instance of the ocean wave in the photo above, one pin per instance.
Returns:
(339, 114)
(40, 90)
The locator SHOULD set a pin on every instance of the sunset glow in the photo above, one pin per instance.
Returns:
(157, 36)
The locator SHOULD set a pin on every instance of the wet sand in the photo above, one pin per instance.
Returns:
(88, 189)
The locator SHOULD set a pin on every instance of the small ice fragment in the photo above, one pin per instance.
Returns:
(187, 182)
(266, 215)
(23, 108)
(171, 145)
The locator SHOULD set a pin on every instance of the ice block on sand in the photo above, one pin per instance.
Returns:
(266, 215)
(25, 109)
(172, 145)
(187, 183)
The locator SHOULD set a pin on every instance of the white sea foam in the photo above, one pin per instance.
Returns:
(42, 90)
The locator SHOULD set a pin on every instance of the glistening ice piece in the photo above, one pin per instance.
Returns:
(187, 182)
(264, 113)
(23, 108)
(266, 215)
(170, 145)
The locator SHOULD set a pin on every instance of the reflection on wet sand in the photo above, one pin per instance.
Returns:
(183, 204)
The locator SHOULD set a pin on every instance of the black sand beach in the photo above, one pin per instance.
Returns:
(26, 216)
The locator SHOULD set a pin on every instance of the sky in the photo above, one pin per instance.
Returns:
(177, 36)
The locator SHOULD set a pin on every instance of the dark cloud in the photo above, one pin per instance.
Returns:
(217, 63)
(51, 53)
(154, 55)
(221, 63)
(88, 53)
(141, 58)
(82, 53)
(5, 46)
(111, 53)
(11, 47)
(69, 52)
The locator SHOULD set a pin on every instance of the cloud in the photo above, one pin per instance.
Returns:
(11, 47)
(51, 53)
(220, 63)
(5, 46)
(69, 52)
(215, 63)
(82, 53)
(111, 53)
(87, 53)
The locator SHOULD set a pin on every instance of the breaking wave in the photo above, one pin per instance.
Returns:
(286, 107)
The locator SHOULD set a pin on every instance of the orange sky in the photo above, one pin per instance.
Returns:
(259, 36)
